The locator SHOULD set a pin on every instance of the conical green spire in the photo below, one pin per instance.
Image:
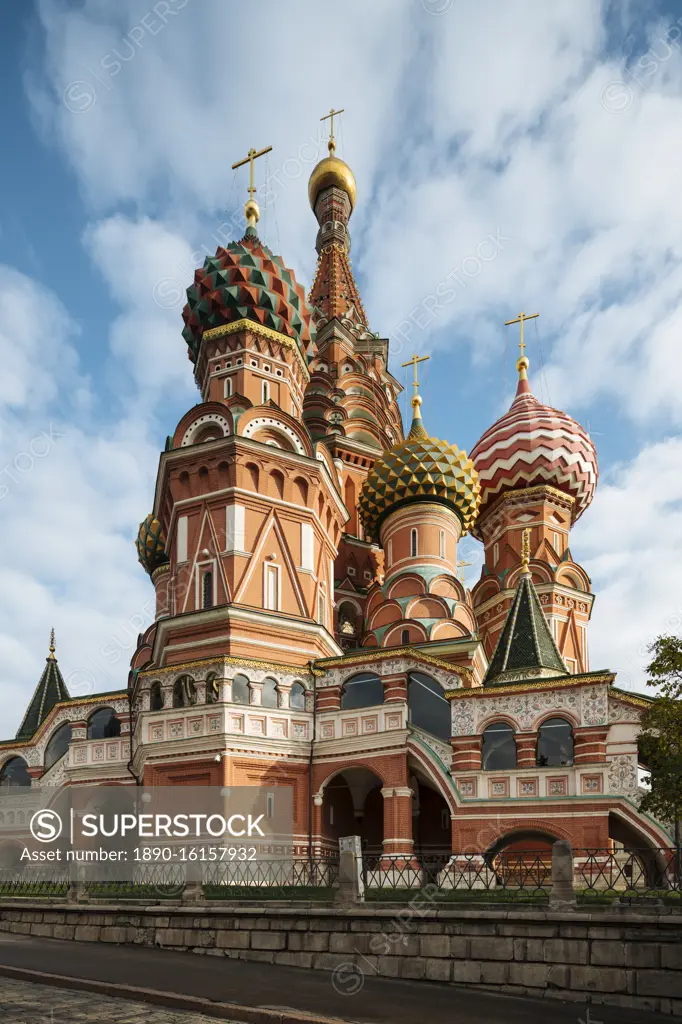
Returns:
(50, 690)
(526, 648)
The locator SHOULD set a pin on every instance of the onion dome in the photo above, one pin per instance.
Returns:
(151, 544)
(332, 172)
(531, 445)
(246, 281)
(420, 468)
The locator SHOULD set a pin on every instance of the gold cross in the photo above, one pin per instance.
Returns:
(332, 114)
(252, 155)
(520, 320)
(461, 565)
(413, 362)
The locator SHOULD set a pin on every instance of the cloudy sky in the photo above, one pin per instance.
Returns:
(509, 156)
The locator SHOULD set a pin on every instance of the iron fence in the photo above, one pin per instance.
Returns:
(461, 877)
(626, 875)
(287, 878)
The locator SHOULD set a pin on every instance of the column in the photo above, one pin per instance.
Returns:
(466, 753)
(256, 692)
(526, 746)
(398, 843)
(329, 698)
(284, 694)
(590, 744)
(395, 688)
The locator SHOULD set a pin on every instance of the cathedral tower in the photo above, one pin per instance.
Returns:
(538, 470)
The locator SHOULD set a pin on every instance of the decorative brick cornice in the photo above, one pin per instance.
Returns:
(558, 683)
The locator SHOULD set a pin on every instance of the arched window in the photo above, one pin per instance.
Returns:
(405, 636)
(58, 745)
(184, 692)
(270, 697)
(442, 543)
(212, 688)
(207, 588)
(364, 690)
(155, 697)
(227, 393)
(297, 697)
(14, 773)
(103, 725)
(555, 743)
(266, 391)
(427, 706)
(499, 747)
(240, 690)
(413, 543)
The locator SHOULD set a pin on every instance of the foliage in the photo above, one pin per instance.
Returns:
(660, 741)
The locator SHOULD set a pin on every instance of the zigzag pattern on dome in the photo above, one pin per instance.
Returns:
(534, 444)
(246, 281)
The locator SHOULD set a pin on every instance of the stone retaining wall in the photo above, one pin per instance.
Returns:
(624, 957)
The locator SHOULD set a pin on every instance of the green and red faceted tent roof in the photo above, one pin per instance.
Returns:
(247, 281)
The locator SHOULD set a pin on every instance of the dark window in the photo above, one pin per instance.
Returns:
(413, 543)
(155, 697)
(555, 743)
(58, 745)
(405, 636)
(297, 696)
(207, 584)
(499, 747)
(270, 699)
(14, 773)
(428, 708)
(103, 725)
(240, 690)
(212, 688)
(184, 692)
(362, 691)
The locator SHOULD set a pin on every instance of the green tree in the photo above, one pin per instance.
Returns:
(660, 741)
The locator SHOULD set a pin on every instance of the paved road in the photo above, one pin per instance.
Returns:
(23, 1003)
(378, 1001)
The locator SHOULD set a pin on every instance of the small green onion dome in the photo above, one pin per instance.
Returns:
(420, 468)
(151, 544)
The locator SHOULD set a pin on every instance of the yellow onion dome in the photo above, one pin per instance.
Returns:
(420, 468)
(151, 544)
(332, 172)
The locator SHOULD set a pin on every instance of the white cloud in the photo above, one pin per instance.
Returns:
(71, 493)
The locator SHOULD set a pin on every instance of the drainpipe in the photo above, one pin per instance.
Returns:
(131, 723)
(310, 770)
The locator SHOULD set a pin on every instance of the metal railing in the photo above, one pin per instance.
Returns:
(287, 878)
(625, 876)
(462, 877)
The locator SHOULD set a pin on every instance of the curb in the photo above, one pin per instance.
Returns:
(171, 1000)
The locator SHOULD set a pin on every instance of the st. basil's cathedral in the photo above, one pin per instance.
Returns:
(311, 629)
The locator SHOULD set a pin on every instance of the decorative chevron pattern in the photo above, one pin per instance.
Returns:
(246, 281)
(533, 444)
(420, 468)
(151, 544)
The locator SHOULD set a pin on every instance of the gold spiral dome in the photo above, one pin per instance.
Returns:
(420, 468)
(332, 172)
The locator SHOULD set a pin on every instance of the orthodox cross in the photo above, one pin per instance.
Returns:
(52, 646)
(251, 156)
(413, 362)
(332, 114)
(521, 318)
(461, 567)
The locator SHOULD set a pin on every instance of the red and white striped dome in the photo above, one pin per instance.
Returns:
(534, 444)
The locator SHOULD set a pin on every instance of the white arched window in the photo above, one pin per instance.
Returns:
(227, 388)
(442, 544)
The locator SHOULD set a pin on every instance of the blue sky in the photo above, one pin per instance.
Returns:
(550, 128)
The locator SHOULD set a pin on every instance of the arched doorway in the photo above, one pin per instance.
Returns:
(431, 821)
(352, 805)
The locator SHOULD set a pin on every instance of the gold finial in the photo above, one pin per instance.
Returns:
(52, 646)
(332, 114)
(525, 550)
(461, 565)
(251, 207)
(522, 363)
(416, 400)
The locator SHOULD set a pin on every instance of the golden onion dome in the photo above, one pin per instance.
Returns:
(332, 172)
(420, 468)
(151, 544)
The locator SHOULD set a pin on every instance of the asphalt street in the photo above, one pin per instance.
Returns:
(350, 996)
